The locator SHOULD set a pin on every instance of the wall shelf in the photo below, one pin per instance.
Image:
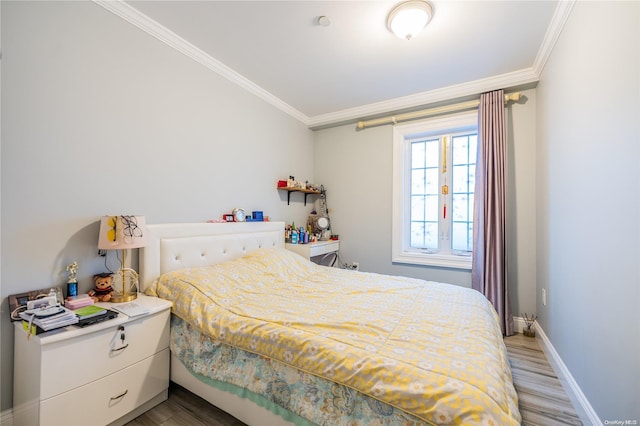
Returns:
(304, 191)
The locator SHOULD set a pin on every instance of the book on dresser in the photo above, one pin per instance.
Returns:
(62, 318)
(106, 314)
(35, 330)
(89, 311)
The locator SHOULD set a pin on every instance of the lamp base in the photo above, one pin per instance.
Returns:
(125, 285)
(120, 298)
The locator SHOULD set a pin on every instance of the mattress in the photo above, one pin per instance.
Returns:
(431, 350)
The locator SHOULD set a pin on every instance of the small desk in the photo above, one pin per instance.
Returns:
(313, 250)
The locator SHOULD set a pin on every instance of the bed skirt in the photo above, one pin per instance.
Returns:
(293, 396)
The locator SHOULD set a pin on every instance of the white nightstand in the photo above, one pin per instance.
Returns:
(314, 251)
(89, 375)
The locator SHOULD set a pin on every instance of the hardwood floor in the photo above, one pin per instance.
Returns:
(184, 409)
(542, 399)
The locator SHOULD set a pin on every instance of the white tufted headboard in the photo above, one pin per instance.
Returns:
(184, 245)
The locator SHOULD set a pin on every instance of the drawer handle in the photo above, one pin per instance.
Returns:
(120, 348)
(113, 398)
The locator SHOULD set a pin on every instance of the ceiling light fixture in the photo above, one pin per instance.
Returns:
(407, 19)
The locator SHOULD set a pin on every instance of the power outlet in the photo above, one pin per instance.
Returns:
(544, 297)
(354, 266)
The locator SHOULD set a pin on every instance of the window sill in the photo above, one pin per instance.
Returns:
(434, 259)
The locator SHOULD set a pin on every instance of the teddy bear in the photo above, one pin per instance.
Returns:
(102, 291)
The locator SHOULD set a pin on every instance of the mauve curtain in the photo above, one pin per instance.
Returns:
(489, 268)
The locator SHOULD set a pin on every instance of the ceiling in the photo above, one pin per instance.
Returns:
(354, 68)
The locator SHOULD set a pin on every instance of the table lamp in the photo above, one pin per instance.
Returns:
(123, 233)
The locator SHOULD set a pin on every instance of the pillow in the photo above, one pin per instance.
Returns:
(280, 262)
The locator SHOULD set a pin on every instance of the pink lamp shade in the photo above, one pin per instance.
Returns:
(122, 232)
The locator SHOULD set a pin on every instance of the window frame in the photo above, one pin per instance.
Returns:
(403, 134)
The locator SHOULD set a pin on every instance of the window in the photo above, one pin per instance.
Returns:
(433, 184)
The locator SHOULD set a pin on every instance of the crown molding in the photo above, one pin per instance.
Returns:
(560, 16)
(153, 28)
(473, 88)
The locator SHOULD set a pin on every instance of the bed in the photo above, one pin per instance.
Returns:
(274, 339)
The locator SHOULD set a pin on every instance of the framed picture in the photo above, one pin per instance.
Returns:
(18, 302)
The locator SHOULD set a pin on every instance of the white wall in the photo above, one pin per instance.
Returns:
(588, 203)
(100, 118)
(356, 167)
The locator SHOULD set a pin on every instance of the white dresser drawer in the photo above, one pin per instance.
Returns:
(109, 398)
(74, 362)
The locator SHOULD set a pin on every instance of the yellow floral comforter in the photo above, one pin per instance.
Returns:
(433, 350)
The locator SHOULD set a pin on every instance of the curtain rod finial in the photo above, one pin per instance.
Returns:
(515, 97)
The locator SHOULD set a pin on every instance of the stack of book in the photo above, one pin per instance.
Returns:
(92, 314)
(37, 323)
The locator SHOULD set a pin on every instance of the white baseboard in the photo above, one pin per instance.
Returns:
(580, 402)
(6, 417)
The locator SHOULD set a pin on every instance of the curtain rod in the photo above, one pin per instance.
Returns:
(431, 111)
